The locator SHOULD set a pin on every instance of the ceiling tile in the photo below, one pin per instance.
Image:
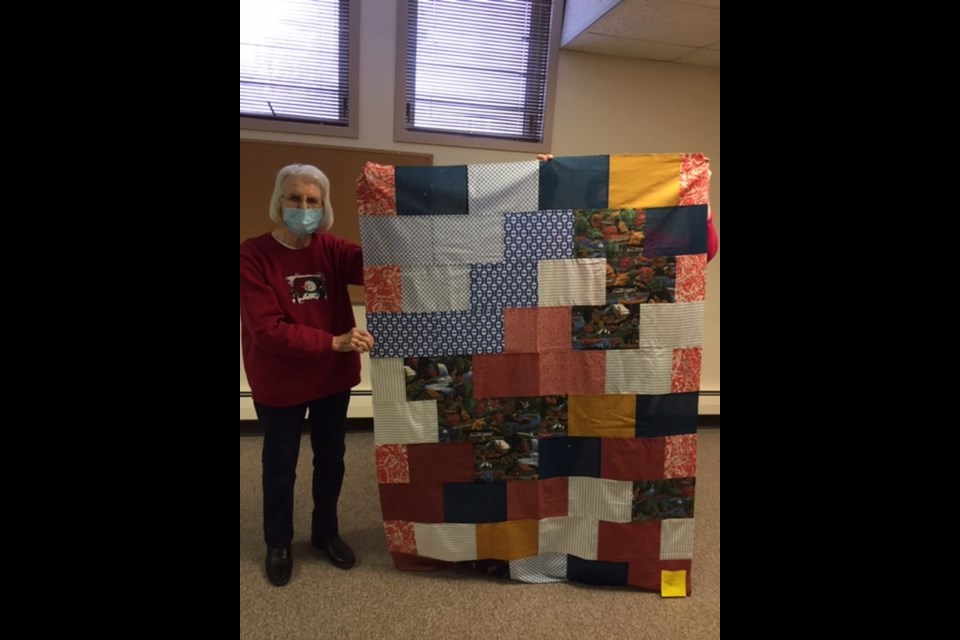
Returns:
(666, 21)
(702, 57)
(628, 47)
(578, 15)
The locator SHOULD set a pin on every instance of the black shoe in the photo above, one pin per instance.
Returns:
(341, 555)
(279, 566)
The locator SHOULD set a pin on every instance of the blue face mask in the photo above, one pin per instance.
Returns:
(302, 222)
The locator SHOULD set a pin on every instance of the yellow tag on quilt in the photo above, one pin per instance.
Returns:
(673, 584)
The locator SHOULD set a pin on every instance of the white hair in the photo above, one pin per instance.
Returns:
(307, 172)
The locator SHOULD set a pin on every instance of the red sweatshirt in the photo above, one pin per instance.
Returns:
(713, 242)
(292, 303)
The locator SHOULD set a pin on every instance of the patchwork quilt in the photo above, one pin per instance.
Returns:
(536, 373)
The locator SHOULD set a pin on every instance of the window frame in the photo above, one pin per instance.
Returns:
(352, 130)
(475, 141)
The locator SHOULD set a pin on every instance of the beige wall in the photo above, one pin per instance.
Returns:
(604, 105)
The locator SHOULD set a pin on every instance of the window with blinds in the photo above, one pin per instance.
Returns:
(477, 73)
(296, 65)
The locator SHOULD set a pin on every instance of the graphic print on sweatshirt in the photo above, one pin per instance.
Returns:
(307, 287)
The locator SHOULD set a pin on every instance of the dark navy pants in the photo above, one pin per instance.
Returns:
(281, 447)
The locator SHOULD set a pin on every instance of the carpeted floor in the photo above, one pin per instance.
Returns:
(374, 600)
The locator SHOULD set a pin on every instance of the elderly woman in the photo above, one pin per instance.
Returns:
(301, 352)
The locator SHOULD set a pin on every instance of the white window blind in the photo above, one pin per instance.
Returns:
(295, 60)
(477, 67)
